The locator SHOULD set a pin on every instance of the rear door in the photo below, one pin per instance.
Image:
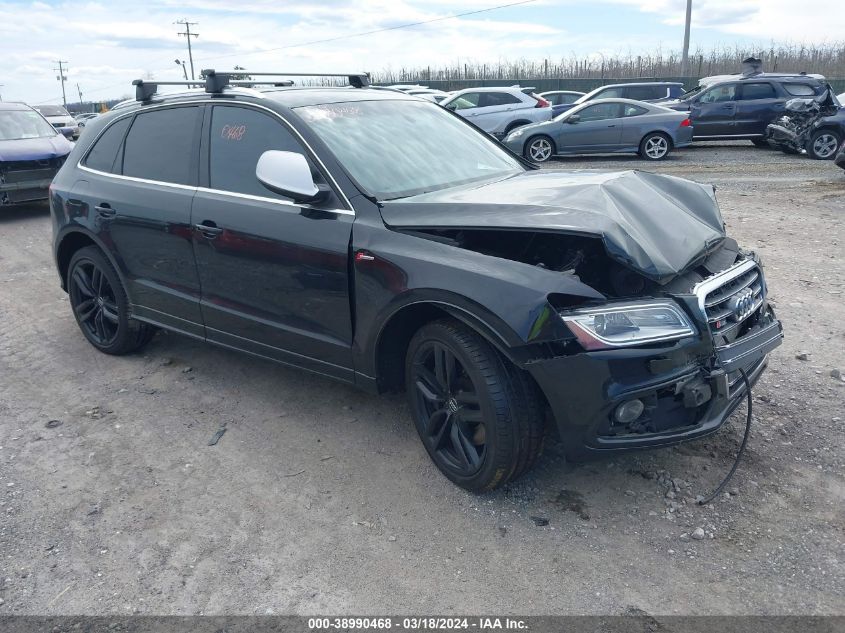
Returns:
(713, 113)
(599, 128)
(139, 188)
(274, 274)
(497, 110)
(757, 105)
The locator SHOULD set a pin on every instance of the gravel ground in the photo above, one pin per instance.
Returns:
(319, 498)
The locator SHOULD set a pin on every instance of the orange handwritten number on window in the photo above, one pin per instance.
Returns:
(233, 132)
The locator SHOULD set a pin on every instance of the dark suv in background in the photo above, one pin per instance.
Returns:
(290, 224)
(740, 108)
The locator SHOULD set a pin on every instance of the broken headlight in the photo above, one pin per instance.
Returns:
(626, 324)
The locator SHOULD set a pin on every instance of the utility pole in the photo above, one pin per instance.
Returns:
(1, 96)
(79, 90)
(181, 62)
(184, 22)
(685, 56)
(62, 78)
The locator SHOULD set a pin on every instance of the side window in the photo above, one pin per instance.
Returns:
(161, 145)
(469, 100)
(238, 138)
(762, 90)
(610, 93)
(632, 110)
(719, 94)
(799, 90)
(643, 93)
(104, 155)
(600, 112)
(497, 99)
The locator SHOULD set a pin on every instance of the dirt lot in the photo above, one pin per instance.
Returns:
(319, 498)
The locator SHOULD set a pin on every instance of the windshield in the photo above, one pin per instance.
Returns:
(50, 110)
(20, 124)
(396, 149)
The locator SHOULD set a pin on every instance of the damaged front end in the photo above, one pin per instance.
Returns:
(680, 311)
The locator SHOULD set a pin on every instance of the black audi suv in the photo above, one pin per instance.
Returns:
(380, 240)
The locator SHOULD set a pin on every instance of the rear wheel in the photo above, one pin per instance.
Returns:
(539, 149)
(655, 146)
(479, 418)
(823, 145)
(100, 304)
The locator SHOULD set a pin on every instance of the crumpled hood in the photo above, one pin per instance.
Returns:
(656, 225)
(35, 148)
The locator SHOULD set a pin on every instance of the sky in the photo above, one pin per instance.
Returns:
(107, 44)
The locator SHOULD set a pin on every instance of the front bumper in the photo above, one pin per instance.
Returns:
(584, 390)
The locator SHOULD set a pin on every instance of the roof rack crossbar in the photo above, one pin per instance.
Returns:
(214, 81)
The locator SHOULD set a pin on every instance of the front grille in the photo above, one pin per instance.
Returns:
(732, 299)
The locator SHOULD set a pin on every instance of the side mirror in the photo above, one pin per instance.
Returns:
(288, 174)
(451, 106)
(573, 118)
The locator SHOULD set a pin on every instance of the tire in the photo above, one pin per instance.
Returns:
(655, 146)
(479, 418)
(539, 148)
(100, 305)
(823, 145)
(761, 143)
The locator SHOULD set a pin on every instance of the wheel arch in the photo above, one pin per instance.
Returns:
(531, 138)
(515, 124)
(393, 337)
(662, 132)
(69, 242)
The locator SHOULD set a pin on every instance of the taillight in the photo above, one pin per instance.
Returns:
(542, 103)
(686, 123)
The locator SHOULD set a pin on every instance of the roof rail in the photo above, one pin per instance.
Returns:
(214, 81)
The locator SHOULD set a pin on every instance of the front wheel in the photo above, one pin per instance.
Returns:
(479, 418)
(539, 149)
(655, 146)
(100, 304)
(823, 145)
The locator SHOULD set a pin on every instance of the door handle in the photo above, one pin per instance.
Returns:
(612, 125)
(104, 210)
(209, 229)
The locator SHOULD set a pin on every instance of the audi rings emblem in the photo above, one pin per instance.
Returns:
(742, 304)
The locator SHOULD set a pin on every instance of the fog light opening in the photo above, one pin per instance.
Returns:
(629, 411)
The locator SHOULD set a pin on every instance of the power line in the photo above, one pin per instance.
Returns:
(363, 33)
(188, 35)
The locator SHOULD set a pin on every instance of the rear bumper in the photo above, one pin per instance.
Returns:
(584, 390)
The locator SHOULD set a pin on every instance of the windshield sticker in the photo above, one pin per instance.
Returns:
(233, 132)
(331, 111)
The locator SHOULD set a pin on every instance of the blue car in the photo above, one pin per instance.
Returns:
(31, 152)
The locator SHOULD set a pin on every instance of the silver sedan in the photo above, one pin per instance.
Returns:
(605, 126)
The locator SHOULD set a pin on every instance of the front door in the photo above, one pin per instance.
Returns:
(714, 112)
(599, 128)
(274, 274)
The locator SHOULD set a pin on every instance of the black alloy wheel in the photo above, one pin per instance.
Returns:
(100, 304)
(479, 418)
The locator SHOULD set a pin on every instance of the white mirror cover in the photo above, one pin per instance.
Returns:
(286, 173)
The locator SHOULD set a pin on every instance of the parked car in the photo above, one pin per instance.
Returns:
(499, 110)
(741, 107)
(604, 126)
(815, 125)
(31, 152)
(497, 295)
(60, 119)
(428, 93)
(560, 98)
(648, 91)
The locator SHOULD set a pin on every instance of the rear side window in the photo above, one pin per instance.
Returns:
(104, 156)
(757, 91)
(799, 90)
(610, 93)
(497, 99)
(160, 146)
(642, 93)
(633, 110)
(238, 138)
